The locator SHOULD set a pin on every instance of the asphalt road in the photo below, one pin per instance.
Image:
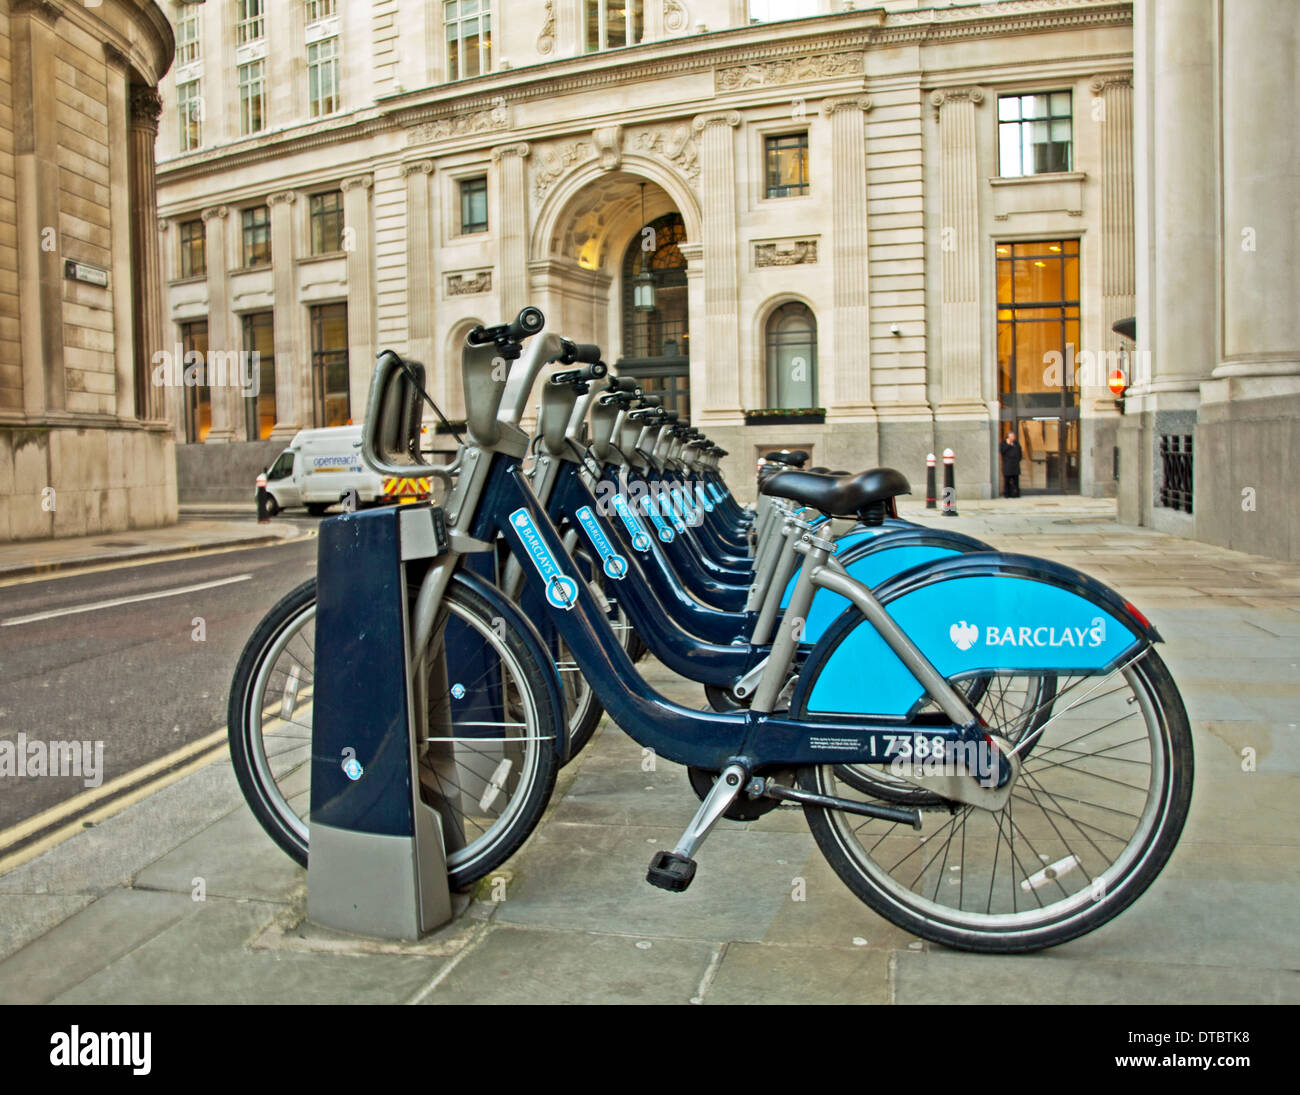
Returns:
(144, 677)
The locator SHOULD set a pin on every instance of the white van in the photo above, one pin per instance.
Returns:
(319, 468)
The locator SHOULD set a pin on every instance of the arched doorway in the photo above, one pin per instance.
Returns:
(656, 312)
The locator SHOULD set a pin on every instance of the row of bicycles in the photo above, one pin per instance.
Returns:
(987, 747)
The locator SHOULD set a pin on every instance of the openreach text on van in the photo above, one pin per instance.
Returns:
(222, 369)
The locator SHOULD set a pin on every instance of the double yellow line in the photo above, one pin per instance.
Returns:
(53, 826)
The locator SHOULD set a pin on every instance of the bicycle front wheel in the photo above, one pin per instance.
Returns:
(1098, 806)
(488, 763)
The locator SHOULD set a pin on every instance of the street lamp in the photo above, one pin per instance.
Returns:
(643, 285)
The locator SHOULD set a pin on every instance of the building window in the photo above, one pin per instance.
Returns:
(329, 364)
(469, 37)
(787, 165)
(249, 22)
(326, 222)
(792, 357)
(198, 398)
(473, 205)
(318, 10)
(189, 108)
(259, 407)
(1037, 338)
(657, 342)
(188, 47)
(194, 249)
(252, 97)
(323, 76)
(1034, 134)
(611, 24)
(257, 236)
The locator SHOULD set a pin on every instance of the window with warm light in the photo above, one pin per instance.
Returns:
(468, 27)
(612, 24)
(255, 225)
(1035, 134)
(194, 249)
(786, 159)
(326, 214)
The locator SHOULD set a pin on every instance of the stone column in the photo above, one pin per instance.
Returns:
(225, 423)
(959, 245)
(512, 229)
(117, 71)
(1261, 286)
(361, 306)
(419, 268)
(1184, 208)
(721, 329)
(1114, 114)
(844, 381)
(36, 187)
(146, 108)
(292, 384)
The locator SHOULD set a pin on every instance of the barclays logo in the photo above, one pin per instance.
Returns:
(965, 635)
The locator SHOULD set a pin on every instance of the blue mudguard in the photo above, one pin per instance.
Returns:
(972, 614)
(873, 561)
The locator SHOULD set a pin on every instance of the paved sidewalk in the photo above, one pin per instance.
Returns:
(109, 915)
(187, 535)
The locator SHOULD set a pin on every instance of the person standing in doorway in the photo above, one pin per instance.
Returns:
(1011, 454)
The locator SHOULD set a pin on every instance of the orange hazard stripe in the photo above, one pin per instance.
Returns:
(407, 485)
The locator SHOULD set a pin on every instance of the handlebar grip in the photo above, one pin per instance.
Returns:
(623, 384)
(671, 416)
(589, 354)
(528, 322)
(651, 401)
(581, 376)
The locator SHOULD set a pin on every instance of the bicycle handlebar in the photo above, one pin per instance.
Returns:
(577, 377)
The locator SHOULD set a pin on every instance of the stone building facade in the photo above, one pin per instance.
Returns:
(903, 228)
(1209, 442)
(84, 442)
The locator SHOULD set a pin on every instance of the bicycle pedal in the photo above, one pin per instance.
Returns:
(670, 871)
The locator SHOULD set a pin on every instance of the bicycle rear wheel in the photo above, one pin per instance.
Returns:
(1096, 811)
(489, 785)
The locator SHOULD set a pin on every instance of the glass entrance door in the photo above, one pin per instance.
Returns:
(1038, 335)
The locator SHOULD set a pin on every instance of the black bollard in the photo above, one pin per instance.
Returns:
(263, 511)
(930, 490)
(949, 486)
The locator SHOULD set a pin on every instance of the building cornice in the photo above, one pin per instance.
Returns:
(440, 106)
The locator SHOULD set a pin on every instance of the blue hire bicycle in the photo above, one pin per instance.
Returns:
(987, 747)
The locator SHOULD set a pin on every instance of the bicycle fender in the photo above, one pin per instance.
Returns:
(971, 614)
(513, 617)
(874, 562)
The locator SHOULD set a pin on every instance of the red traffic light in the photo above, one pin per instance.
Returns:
(1117, 382)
